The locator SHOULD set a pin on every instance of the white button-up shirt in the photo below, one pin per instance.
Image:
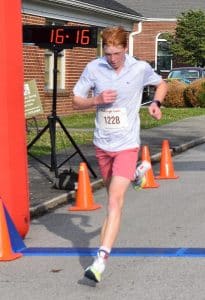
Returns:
(117, 125)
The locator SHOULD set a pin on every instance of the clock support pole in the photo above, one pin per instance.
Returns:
(53, 119)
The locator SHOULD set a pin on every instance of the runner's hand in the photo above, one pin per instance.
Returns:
(155, 111)
(107, 96)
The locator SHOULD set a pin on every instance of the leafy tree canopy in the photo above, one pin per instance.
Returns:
(188, 41)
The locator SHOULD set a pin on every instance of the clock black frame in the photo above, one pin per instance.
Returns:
(61, 37)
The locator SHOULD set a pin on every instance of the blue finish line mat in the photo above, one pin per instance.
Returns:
(18, 246)
(117, 252)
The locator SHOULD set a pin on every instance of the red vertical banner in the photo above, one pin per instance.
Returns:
(13, 154)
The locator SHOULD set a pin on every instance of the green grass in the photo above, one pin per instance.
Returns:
(76, 122)
(42, 146)
(169, 115)
(79, 120)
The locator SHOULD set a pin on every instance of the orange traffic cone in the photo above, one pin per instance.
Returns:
(149, 175)
(166, 165)
(6, 252)
(84, 196)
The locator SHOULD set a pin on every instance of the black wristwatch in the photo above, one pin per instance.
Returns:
(157, 102)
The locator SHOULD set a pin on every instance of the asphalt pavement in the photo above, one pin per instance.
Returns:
(181, 135)
(165, 223)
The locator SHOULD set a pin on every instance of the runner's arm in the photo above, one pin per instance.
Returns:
(160, 93)
(107, 96)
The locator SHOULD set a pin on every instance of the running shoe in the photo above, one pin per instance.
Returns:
(139, 183)
(140, 179)
(95, 271)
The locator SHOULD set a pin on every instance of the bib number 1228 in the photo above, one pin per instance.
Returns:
(112, 120)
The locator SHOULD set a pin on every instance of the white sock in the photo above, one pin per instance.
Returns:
(104, 252)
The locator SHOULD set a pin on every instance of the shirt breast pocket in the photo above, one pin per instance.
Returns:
(104, 85)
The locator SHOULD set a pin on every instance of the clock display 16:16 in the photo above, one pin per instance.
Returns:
(78, 37)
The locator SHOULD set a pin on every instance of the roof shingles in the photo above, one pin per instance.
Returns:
(169, 9)
(163, 8)
(113, 5)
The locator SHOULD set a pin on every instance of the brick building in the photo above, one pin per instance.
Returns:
(146, 22)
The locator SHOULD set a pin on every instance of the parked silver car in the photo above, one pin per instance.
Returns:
(187, 74)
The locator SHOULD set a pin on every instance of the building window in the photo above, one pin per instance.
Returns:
(163, 57)
(49, 68)
(49, 63)
(99, 43)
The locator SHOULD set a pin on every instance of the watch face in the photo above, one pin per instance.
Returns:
(60, 36)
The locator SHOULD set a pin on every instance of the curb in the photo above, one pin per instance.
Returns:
(65, 198)
(186, 146)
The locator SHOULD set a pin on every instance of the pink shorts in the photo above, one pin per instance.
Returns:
(119, 163)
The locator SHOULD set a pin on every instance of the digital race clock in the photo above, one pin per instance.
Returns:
(60, 36)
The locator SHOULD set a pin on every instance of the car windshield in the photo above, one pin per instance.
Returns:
(184, 74)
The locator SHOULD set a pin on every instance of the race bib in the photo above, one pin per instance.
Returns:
(113, 118)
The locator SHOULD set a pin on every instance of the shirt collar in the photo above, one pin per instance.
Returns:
(129, 60)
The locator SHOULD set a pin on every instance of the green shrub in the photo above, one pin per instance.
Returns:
(175, 94)
(202, 95)
(194, 93)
